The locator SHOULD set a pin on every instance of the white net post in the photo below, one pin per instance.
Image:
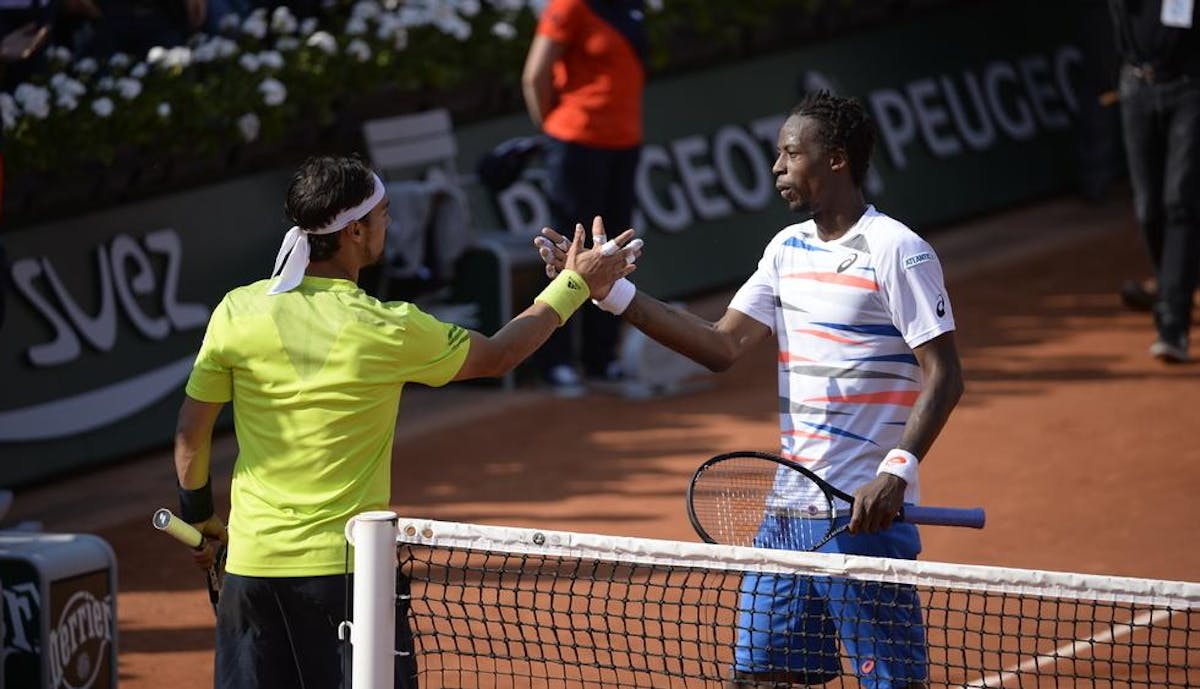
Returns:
(373, 634)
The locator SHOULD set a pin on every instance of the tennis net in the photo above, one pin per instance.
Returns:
(497, 607)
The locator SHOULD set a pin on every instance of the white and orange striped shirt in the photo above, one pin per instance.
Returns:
(847, 313)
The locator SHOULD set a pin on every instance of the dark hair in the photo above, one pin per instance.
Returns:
(321, 188)
(844, 124)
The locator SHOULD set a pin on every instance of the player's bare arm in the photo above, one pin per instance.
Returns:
(537, 77)
(877, 503)
(715, 346)
(193, 450)
(520, 337)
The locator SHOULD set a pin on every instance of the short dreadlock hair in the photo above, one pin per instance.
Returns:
(844, 124)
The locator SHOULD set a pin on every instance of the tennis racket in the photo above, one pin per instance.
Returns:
(187, 534)
(763, 500)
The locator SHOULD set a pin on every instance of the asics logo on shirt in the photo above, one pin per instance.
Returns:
(941, 306)
(847, 263)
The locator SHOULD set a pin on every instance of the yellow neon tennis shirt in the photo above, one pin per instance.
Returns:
(315, 376)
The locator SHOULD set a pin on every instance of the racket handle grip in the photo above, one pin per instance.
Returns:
(973, 518)
(187, 534)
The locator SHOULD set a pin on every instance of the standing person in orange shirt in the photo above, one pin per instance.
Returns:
(583, 82)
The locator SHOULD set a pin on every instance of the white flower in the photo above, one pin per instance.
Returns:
(355, 26)
(179, 57)
(164, 110)
(226, 48)
(205, 52)
(273, 92)
(34, 100)
(249, 62)
(8, 111)
(119, 61)
(504, 31)
(129, 88)
(103, 106)
(229, 23)
(287, 43)
(66, 101)
(168, 58)
(308, 26)
(654, 5)
(365, 9)
(469, 7)
(248, 126)
(59, 54)
(105, 84)
(86, 66)
(283, 21)
(323, 41)
(255, 25)
(271, 59)
(359, 50)
(61, 82)
(139, 71)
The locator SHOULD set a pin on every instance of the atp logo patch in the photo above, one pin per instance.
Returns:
(917, 259)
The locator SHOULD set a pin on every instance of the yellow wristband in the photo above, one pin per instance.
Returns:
(565, 294)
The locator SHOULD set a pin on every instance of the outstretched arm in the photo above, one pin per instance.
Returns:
(716, 346)
(520, 337)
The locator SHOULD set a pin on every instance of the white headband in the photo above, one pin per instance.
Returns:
(293, 253)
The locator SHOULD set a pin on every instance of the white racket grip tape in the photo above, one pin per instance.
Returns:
(903, 464)
(618, 297)
(165, 520)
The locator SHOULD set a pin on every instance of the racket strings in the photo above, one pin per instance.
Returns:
(750, 502)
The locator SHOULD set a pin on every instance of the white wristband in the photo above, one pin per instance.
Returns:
(618, 298)
(903, 464)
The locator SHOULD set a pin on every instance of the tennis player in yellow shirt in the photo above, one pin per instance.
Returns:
(314, 368)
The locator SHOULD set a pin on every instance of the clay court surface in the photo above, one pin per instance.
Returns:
(1083, 450)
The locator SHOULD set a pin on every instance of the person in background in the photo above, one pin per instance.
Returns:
(314, 368)
(583, 81)
(1159, 44)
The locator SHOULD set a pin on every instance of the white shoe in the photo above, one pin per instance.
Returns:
(565, 381)
(1171, 352)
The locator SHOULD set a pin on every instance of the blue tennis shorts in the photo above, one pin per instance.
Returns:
(794, 623)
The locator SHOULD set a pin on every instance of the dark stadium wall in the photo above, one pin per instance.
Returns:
(978, 109)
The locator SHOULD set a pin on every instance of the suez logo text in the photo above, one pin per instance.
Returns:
(713, 177)
(130, 276)
(125, 274)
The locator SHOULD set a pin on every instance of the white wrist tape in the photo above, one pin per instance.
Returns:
(903, 463)
(618, 298)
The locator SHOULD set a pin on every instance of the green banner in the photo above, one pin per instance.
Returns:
(106, 312)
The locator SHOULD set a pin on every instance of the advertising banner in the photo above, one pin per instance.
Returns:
(976, 109)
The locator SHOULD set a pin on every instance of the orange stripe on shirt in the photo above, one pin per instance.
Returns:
(798, 458)
(836, 279)
(827, 336)
(788, 357)
(904, 398)
(807, 434)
